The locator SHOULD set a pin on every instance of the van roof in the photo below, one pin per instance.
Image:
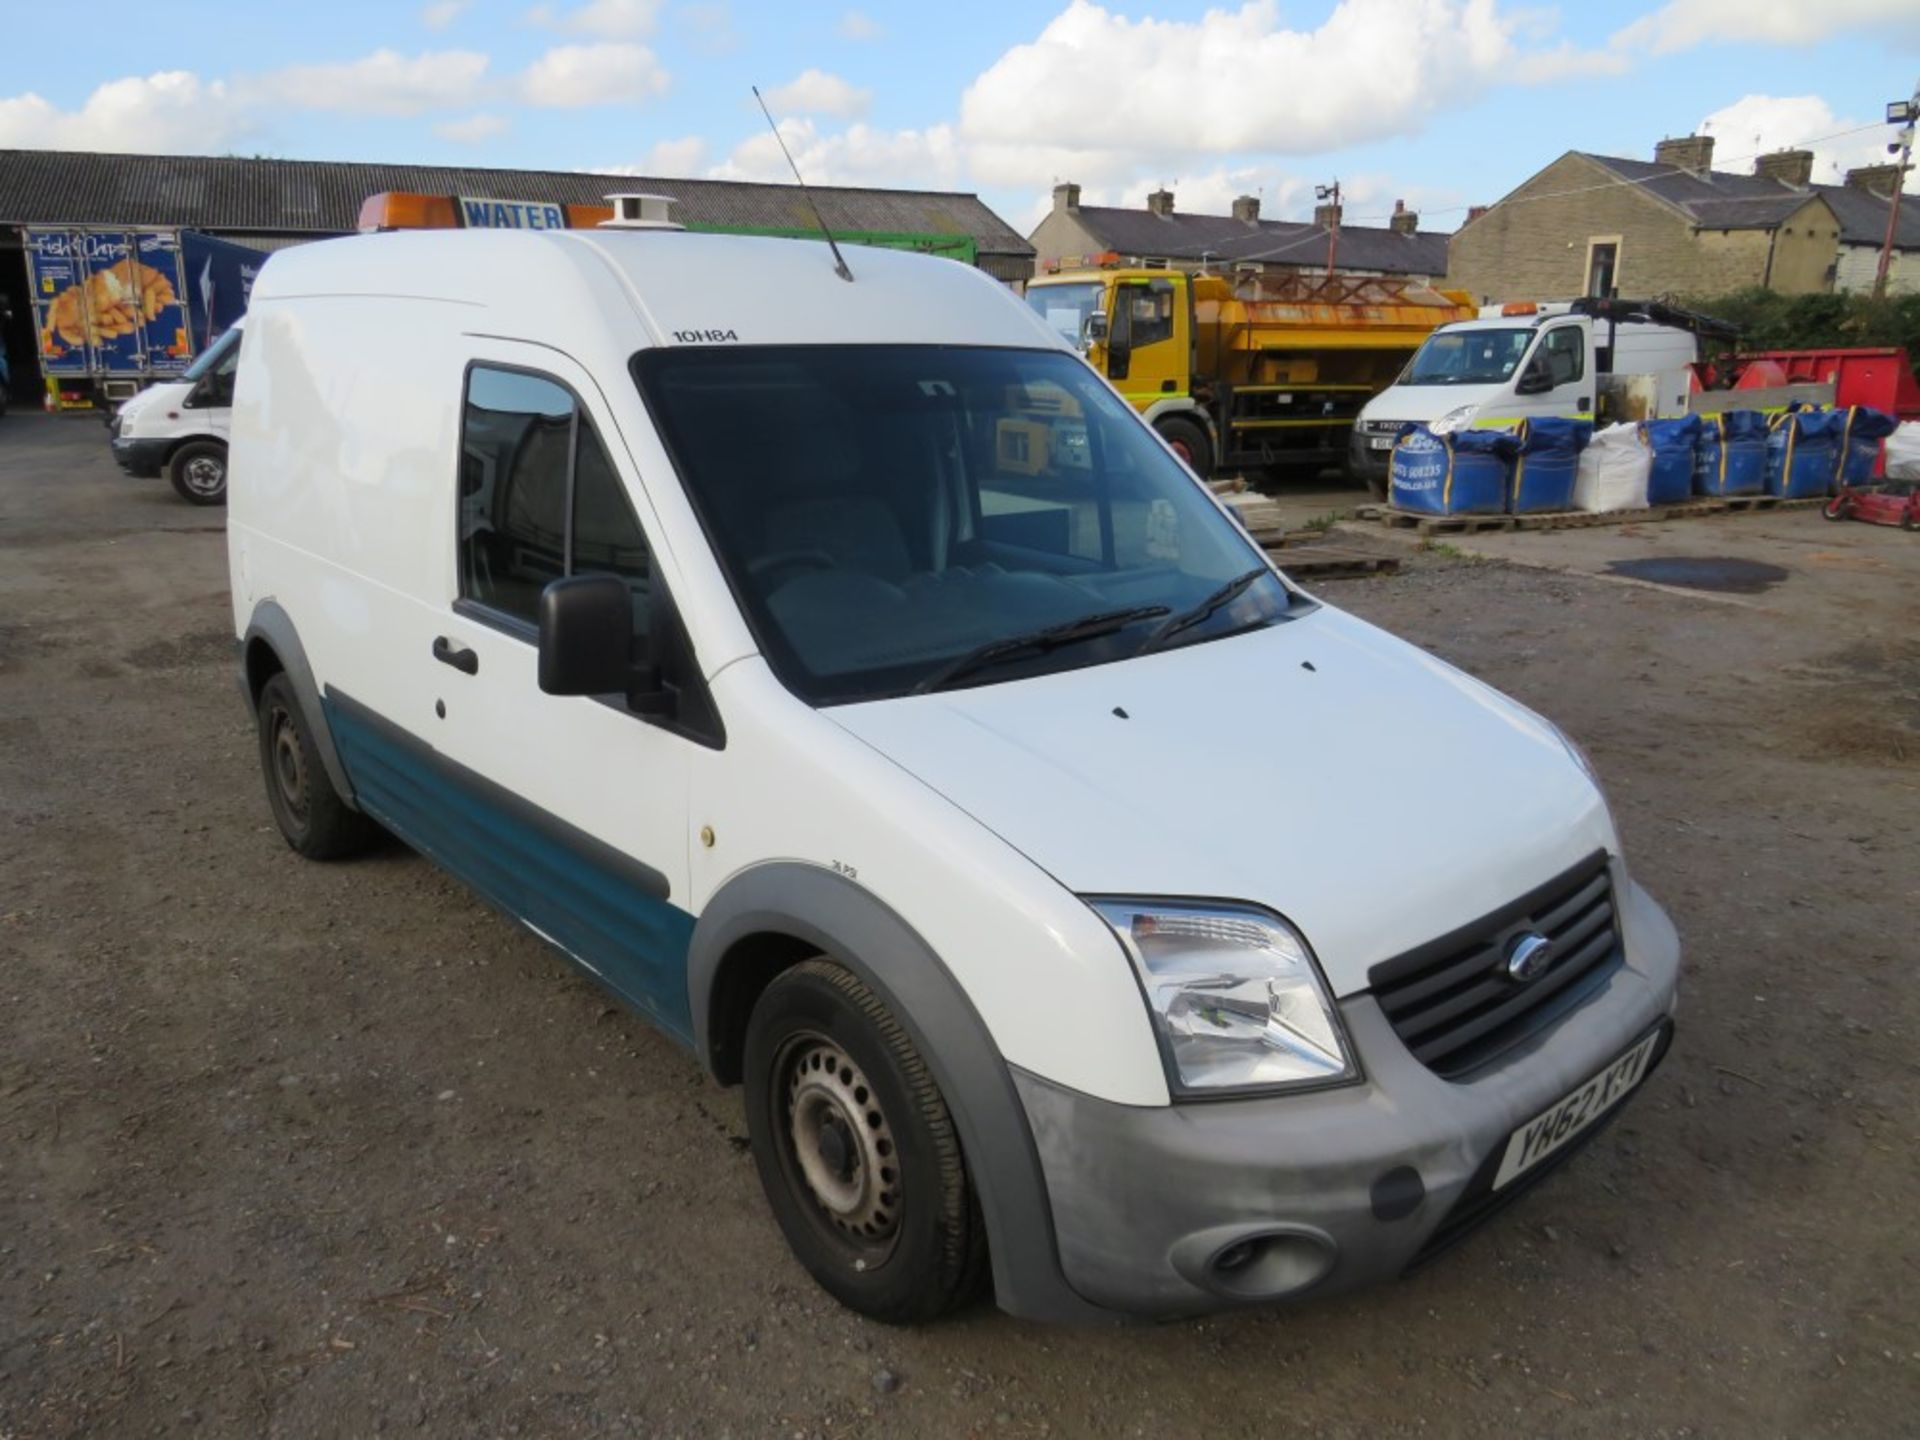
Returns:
(659, 287)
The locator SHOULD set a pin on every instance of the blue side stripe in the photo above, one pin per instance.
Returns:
(531, 865)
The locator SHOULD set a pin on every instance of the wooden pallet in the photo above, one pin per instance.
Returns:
(1579, 519)
(1333, 562)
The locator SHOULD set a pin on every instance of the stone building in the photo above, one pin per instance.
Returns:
(1072, 234)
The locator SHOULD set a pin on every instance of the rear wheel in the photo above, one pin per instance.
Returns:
(312, 817)
(1189, 442)
(198, 471)
(857, 1151)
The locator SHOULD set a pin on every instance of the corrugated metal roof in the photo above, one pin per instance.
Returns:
(1722, 200)
(1223, 239)
(231, 193)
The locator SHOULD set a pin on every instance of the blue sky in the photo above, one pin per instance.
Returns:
(1441, 102)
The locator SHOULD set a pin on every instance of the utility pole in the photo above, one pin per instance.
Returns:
(1902, 113)
(1332, 193)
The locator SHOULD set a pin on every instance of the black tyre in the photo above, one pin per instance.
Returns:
(198, 471)
(309, 811)
(1189, 442)
(856, 1150)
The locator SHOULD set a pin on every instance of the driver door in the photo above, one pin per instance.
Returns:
(1560, 357)
(1147, 340)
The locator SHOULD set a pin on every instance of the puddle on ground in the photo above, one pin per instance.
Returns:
(1703, 572)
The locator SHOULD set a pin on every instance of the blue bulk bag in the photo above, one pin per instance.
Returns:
(1800, 452)
(1670, 480)
(1860, 441)
(1731, 456)
(1461, 473)
(1548, 464)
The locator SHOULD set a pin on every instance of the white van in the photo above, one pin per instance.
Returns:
(833, 671)
(180, 428)
(1527, 360)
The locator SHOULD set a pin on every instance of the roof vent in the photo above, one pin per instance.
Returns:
(641, 212)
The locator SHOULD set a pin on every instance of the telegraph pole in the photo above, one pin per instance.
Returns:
(1902, 113)
(1331, 193)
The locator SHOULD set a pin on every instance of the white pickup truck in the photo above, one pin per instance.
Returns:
(1578, 359)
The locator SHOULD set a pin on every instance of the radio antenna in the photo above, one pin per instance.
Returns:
(839, 260)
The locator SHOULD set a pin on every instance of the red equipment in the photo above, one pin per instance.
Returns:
(1897, 502)
(1881, 378)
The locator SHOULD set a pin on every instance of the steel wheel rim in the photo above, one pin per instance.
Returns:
(837, 1147)
(287, 763)
(205, 475)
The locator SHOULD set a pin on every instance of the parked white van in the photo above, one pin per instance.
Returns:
(838, 672)
(1521, 361)
(179, 428)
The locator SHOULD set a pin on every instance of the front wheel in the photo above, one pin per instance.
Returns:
(312, 817)
(198, 471)
(857, 1151)
(1838, 508)
(1189, 441)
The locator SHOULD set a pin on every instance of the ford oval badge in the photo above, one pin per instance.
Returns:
(1528, 957)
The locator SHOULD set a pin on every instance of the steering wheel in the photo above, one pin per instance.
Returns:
(785, 559)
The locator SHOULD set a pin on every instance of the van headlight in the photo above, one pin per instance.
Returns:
(1236, 999)
(1458, 418)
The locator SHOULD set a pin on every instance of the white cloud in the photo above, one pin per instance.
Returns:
(1089, 64)
(473, 130)
(815, 92)
(858, 25)
(171, 111)
(675, 158)
(441, 13)
(608, 19)
(1683, 24)
(383, 83)
(605, 74)
(927, 159)
(1757, 124)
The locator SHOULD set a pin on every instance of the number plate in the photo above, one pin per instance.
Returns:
(1380, 442)
(1555, 1126)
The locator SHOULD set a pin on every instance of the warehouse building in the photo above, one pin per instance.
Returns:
(268, 204)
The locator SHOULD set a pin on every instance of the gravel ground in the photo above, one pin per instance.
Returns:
(301, 1150)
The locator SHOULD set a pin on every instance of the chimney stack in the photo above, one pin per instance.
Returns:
(1790, 167)
(1474, 212)
(1066, 199)
(1404, 221)
(1326, 216)
(1246, 209)
(1881, 180)
(1690, 152)
(1160, 202)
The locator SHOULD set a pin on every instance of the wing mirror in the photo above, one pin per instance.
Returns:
(1534, 380)
(587, 644)
(1094, 331)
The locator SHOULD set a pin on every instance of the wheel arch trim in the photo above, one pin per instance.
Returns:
(842, 920)
(273, 628)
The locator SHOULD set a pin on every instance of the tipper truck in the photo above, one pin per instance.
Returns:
(1253, 370)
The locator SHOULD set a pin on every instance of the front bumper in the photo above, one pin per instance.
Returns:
(1363, 461)
(1336, 1189)
(145, 458)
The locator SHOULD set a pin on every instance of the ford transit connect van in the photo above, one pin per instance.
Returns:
(835, 671)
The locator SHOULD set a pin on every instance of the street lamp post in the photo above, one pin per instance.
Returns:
(1902, 113)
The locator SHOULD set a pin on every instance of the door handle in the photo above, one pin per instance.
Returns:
(1585, 402)
(466, 661)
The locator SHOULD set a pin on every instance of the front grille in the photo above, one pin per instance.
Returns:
(1451, 1001)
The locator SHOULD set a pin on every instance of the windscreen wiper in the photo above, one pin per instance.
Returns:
(1051, 637)
(1187, 619)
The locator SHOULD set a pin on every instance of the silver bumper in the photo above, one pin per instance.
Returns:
(1328, 1190)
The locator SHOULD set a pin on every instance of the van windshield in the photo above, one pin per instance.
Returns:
(1468, 357)
(883, 511)
(221, 350)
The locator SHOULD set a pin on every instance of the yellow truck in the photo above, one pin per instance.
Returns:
(1253, 370)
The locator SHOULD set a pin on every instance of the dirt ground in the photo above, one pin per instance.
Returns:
(300, 1150)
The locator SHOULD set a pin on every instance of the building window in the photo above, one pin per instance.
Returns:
(1603, 266)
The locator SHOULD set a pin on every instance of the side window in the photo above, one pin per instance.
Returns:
(1566, 353)
(1149, 311)
(534, 481)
